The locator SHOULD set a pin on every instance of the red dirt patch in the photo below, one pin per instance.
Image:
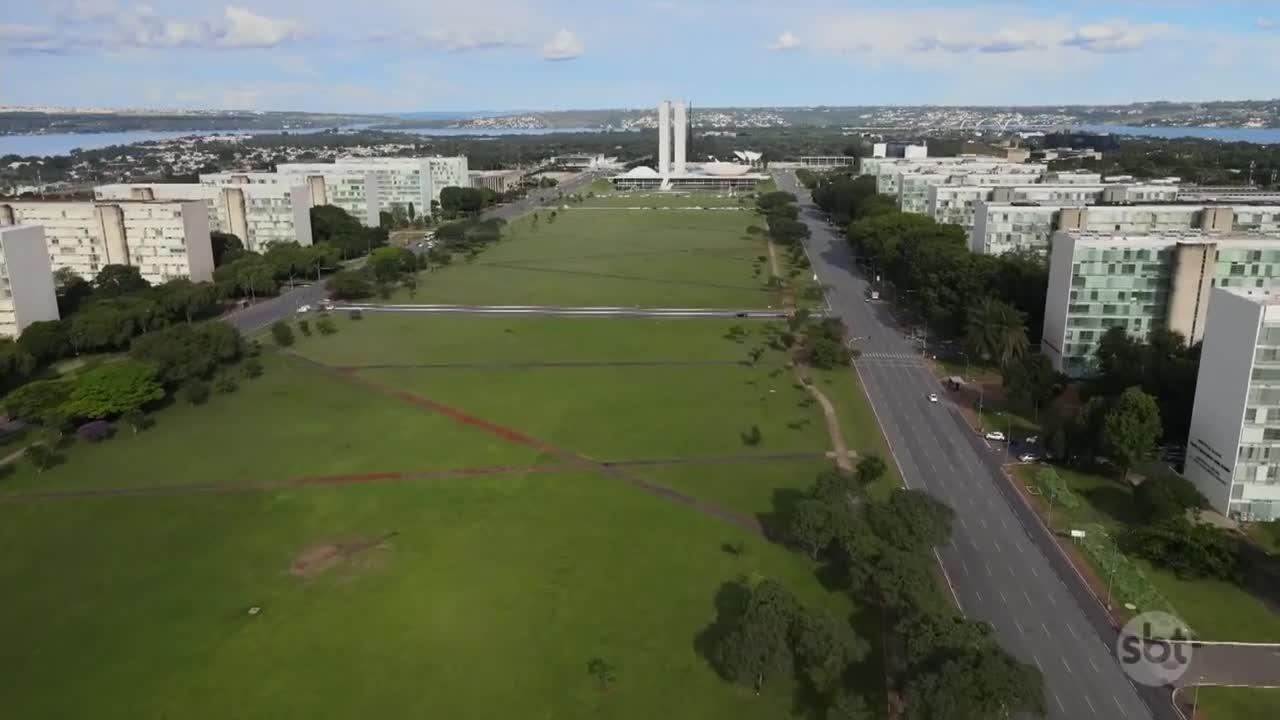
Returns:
(351, 555)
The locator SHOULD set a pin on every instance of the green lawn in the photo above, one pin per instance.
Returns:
(752, 488)
(292, 422)
(1216, 610)
(493, 594)
(1221, 703)
(630, 413)
(411, 338)
(649, 199)
(857, 419)
(675, 258)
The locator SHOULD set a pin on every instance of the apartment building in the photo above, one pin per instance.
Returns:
(26, 279)
(264, 208)
(164, 239)
(1001, 227)
(1102, 280)
(416, 180)
(958, 204)
(885, 170)
(1233, 449)
(499, 181)
(351, 188)
(1072, 177)
(913, 186)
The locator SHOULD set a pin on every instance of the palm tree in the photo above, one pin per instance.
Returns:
(995, 331)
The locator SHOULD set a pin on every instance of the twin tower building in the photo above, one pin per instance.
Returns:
(673, 119)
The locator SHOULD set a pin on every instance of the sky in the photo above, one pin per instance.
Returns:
(435, 55)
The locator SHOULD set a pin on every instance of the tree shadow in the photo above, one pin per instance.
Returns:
(730, 603)
(1113, 501)
(774, 522)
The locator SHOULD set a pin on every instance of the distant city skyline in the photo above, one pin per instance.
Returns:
(416, 55)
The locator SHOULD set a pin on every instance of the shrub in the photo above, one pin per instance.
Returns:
(42, 457)
(325, 325)
(195, 392)
(356, 315)
(305, 327)
(96, 431)
(251, 368)
(225, 385)
(282, 333)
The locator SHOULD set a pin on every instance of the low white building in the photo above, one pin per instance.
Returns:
(913, 186)
(1233, 449)
(256, 210)
(164, 239)
(888, 171)
(26, 279)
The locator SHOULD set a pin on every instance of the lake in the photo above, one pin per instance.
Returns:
(1263, 136)
(64, 143)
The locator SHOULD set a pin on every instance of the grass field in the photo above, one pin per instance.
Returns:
(471, 596)
(676, 258)
(666, 200)
(1244, 703)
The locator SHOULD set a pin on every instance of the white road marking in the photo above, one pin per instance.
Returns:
(1072, 630)
(1033, 570)
(1019, 626)
(1059, 700)
(1027, 595)
(997, 544)
(1091, 707)
(1122, 711)
(981, 520)
(1094, 666)
(1003, 599)
(964, 566)
(1067, 666)
(1037, 659)
(1046, 628)
(988, 567)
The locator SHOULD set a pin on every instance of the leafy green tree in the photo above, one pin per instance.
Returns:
(305, 328)
(350, 285)
(757, 648)
(136, 420)
(251, 368)
(832, 488)
(903, 579)
(1032, 382)
(336, 228)
(1188, 550)
(390, 264)
(288, 260)
(995, 331)
(222, 244)
(115, 280)
(823, 650)
(41, 457)
(183, 352)
(113, 389)
(870, 469)
(1132, 427)
(45, 340)
(282, 333)
(811, 527)
(71, 290)
(325, 325)
(988, 683)
(911, 520)
(225, 384)
(16, 364)
(186, 300)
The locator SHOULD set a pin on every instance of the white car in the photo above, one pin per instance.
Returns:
(933, 397)
(1028, 457)
(995, 435)
(304, 309)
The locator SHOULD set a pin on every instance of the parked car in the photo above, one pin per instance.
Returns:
(933, 397)
(304, 309)
(1029, 457)
(995, 435)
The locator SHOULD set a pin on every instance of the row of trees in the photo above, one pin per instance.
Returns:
(882, 552)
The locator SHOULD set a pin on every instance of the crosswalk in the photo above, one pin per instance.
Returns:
(887, 356)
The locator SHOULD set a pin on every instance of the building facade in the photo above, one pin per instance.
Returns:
(1102, 280)
(1001, 227)
(164, 239)
(1233, 449)
(885, 170)
(913, 187)
(499, 181)
(351, 188)
(264, 208)
(26, 279)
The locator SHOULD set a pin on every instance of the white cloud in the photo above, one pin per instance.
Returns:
(1265, 23)
(564, 45)
(786, 41)
(1106, 38)
(456, 39)
(243, 28)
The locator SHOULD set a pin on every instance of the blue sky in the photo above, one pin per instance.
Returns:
(406, 55)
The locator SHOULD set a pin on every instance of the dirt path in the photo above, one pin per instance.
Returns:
(842, 458)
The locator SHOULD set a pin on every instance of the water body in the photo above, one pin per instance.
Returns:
(1262, 136)
(487, 132)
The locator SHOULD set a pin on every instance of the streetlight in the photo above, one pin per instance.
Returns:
(1195, 700)
(1111, 576)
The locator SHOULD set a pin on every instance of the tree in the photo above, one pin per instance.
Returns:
(988, 683)
(995, 331)
(184, 352)
(1032, 381)
(1188, 550)
(31, 401)
(195, 392)
(16, 364)
(350, 285)
(823, 650)
(71, 290)
(1132, 427)
(911, 520)
(288, 260)
(114, 389)
(832, 488)
(251, 368)
(225, 384)
(184, 299)
(757, 647)
(903, 579)
(45, 340)
(41, 457)
(325, 325)
(115, 280)
(137, 420)
(389, 264)
(810, 527)
(222, 244)
(870, 469)
(1164, 495)
(335, 227)
(282, 333)
(305, 328)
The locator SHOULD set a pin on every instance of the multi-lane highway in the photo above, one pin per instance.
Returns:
(260, 315)
(1000, 564)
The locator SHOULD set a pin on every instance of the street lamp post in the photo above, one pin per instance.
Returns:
(1195, 700)
(1110, 577)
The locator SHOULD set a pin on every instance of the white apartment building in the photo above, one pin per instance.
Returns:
(164, 239)
(885, 170)
(413, 180)
(1102, 280)
(913, 186)
(1233, 449)
(353, 189)
(26, 280)
(1001, 227)
(1072, 177)
(264, 208)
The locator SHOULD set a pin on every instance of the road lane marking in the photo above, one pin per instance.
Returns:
(1037, 659)
(997, 544)
(1003, 599)
(1033, 570)
(1072, 630)
(1094, 666)
(1027, 595)
(988, 567)
(1046, 629)
(1019, 625)
(1091, 707)
(981, 520)
(1067, 665)
(1059, 700)
(964, 566)
(1122, 711)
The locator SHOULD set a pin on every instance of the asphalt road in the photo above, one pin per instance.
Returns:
(259, 315)
(553, 311)
(1000, 564)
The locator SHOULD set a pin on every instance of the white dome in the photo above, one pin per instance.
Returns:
(725, 168)
(641, 171)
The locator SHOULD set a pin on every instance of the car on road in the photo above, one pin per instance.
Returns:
(304, 309)
(995, 435)
(933, 397)
(1029, 457)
